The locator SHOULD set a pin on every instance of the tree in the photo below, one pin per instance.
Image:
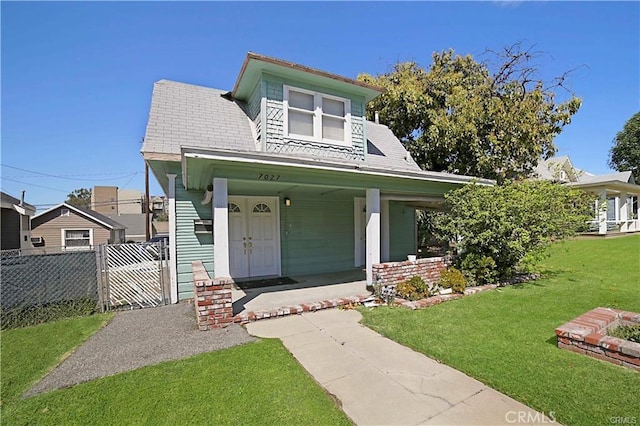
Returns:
(498, 229)
(625, 153)
(479, 119)
(80, 198)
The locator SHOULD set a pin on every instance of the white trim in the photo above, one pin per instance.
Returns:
(173, 261)
(76, 210)
(318, 116)
(220, 228)
(63, 238)
(373, 231)
(349, 168)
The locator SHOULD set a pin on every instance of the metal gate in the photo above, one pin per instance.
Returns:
(134, 275)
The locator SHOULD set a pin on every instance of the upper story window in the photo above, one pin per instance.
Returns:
(317, 117)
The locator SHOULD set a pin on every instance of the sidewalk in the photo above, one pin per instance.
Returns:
(380, 382)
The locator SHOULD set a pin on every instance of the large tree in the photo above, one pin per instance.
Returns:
(625, 153)
(80, 198)
(494, 119)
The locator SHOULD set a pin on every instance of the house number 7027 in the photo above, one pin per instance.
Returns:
(264, 176)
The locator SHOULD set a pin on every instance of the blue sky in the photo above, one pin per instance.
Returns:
(77, 77)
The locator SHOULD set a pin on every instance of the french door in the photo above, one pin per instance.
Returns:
(254, 238)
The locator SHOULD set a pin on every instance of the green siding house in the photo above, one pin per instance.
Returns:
(283, 176)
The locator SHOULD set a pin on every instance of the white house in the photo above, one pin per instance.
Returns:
(616, 206)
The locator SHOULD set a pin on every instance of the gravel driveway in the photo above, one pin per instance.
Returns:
(138, 338)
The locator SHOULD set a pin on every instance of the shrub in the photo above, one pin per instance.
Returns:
(454, 279)
(414, 289)
(627, 332)
(494, 228)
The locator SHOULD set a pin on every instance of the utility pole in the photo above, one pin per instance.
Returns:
(146, 202)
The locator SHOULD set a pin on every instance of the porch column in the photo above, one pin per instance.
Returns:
(623, 212)
(373, 231)
(220, 228)
(602, 213)
(385, 252)
(173, 262)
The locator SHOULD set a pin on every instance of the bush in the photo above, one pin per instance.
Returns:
(454, 279)
(414, 289)
(33, 315)
(494, 228)
(627, 332)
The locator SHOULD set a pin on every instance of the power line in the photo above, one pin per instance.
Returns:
(33, 184)
(67, 177)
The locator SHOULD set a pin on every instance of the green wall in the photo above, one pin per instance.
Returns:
(317, 234)
(401, 231)
(190, 246)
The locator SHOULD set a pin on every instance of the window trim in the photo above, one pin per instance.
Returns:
(63, 238)
(318, 115)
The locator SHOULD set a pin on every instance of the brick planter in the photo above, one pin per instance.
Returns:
(390, 274)
(587, 334)
(212, 299)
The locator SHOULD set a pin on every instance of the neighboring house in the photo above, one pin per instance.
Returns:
(158, 205)
(75, 228)
(110, 200)
(283, 176)
(616, 206)
(15, 223)
(135, 224)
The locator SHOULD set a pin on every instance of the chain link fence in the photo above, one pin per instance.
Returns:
(45, 284)
(40, 285)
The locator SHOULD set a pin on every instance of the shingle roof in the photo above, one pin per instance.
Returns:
(185, 115)
(543, 168)
(109, 223)
(625, 177)
(6, 198)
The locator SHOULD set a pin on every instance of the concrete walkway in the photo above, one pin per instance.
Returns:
(380, 382)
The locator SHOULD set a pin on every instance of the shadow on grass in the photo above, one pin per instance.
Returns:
(552, 340)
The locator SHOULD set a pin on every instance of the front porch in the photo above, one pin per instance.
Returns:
(308, 289)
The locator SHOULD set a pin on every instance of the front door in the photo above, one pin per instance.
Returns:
(254, 238)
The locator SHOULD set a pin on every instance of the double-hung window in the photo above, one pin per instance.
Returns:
(77, 239)
(317, 117)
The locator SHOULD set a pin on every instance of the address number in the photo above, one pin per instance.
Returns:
(264, 176)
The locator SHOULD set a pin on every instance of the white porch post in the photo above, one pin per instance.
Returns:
(220, 228)
(373, 231)
(623, 212)
(602, 213)
(385, 254)
(635, 225)
(173, 262)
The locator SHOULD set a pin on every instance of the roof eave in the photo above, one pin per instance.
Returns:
(367, 90)
(255, 157)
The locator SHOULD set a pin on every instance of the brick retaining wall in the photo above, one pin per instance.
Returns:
(212, 299)
(392, 273)
(587, 334)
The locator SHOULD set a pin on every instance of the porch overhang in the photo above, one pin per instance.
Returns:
(614, 186)
(199, 167)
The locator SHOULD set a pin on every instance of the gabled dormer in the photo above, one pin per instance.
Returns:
(297, 110)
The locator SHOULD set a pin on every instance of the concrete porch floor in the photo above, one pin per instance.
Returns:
(308, 289)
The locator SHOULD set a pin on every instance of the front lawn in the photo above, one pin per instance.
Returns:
(255, 383)
(505, 337)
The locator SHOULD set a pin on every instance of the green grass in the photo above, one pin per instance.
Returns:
(28, 353)
(505, 337)
(256, 383)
